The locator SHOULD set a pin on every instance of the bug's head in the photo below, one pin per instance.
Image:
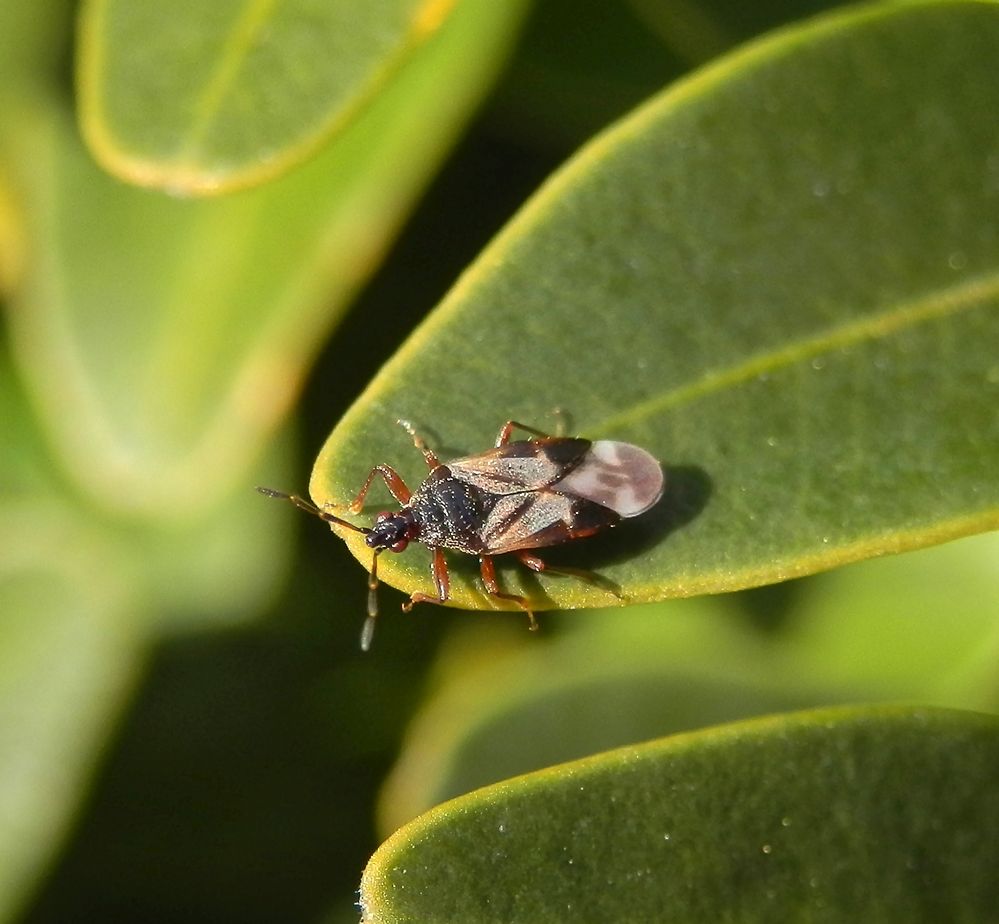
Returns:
(393, 531)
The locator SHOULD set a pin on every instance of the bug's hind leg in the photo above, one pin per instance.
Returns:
(503, 437)
(488, 569)
(591, 577)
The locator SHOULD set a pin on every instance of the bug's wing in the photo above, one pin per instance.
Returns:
(534, 519)
(527, 465)
(620, 476)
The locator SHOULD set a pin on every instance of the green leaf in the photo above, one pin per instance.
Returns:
(71, 646)
(921, 627)
(10, 245)
(79, 592)
(603, 682)
(164, 339)
(780, 277)
(205, 97)
(862, 814)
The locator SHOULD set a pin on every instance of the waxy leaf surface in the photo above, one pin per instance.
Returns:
(781, 277)
(861, 814)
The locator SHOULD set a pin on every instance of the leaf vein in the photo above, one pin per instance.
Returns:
(246, 28)
(970, 295)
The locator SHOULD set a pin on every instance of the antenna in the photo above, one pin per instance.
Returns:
(368, 629)
(309, 507)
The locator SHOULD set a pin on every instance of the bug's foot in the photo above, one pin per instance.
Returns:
(415, 598)
(521, 602)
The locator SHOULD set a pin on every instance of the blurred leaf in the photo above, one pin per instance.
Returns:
(34, 39)
(78, 592)
(920, 627)
(605, 682)
(701, 29)
(161, 339)
(863, 814)
(580, 65)
(780, 277)
(197, 97)
(222, 565)
(923, 625)
(70, 647)
(11, 254)
(584, 63)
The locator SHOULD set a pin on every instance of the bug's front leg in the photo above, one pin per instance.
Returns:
(442, 581)
(418, 441)
(393, 482)
(488, 569)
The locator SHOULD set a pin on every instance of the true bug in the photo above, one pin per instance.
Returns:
(519, 495)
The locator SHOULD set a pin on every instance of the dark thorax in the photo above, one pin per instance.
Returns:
(450, 512)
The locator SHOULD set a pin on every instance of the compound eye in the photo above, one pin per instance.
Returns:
(384, 515)
(400, 545)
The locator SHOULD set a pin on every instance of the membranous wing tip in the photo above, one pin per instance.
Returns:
(620, 476)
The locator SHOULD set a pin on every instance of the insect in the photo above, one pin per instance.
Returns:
(518, 496)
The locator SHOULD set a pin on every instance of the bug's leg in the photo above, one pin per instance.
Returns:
(392, 481)
(442, 581)
(558, 413)
(504, 435)
(591, 577)
(418, 441)
(488, 569)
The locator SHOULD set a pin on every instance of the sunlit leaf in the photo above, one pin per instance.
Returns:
(780, 277)
(201, 97)
(863, 814)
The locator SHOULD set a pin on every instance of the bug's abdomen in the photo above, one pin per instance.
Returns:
(449, 512)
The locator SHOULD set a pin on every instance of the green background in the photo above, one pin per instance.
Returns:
(805, 334)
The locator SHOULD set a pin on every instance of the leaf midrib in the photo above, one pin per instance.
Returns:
(952, 300)
(248, 25)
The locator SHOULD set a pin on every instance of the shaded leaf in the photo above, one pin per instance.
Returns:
(779, 277)
(921, 627)
(71, 646)
(78, 593)
(701, 31)
(200, 98)
(602, 683)
(873, 814)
